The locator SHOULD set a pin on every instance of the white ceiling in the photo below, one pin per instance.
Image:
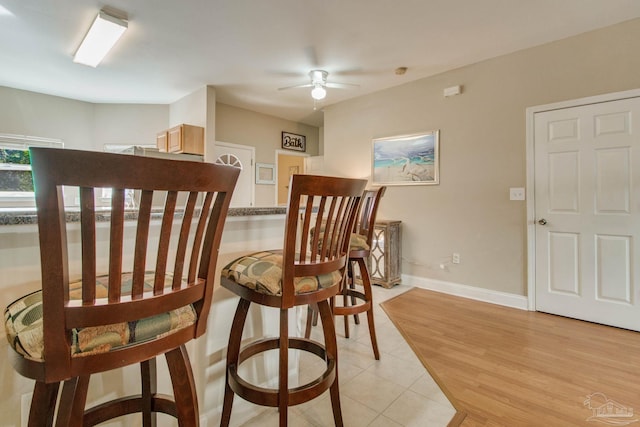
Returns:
(247, 49)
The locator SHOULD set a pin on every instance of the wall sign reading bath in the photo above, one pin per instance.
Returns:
(292, 141)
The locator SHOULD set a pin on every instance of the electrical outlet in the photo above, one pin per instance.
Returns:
(516, 193)
(455, 258)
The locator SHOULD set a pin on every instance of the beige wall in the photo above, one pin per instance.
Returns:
(240, 126)
(34, 114)
(482, 149)
(130, 124)
(198, 109)
(80, 125)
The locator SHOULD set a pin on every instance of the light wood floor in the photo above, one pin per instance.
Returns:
(506, 367)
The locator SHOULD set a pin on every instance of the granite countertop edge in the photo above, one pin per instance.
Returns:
(27, 216)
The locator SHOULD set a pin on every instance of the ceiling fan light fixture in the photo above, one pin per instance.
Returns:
(318, 76)
(318, 92)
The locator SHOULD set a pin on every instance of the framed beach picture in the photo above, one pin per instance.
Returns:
(406, 159)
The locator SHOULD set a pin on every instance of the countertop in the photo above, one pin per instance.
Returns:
(26, 216)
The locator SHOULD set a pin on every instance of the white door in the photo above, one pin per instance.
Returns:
(240, 156)
(587, 208)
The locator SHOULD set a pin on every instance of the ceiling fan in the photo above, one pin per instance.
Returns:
(319, 84)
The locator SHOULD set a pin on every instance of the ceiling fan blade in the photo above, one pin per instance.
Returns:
(295, 86)
(341, 85)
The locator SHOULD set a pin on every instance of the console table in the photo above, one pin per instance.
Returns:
(386, 259)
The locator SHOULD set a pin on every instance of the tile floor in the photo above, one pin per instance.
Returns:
(394, 391)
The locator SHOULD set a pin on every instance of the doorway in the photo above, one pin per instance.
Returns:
(584, 209)
(287, 164)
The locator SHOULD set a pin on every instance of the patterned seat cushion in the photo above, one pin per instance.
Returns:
(262, 272)
(358, 242)
(23, 323)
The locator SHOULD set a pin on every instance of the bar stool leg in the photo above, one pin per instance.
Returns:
(72, 402)
(43, 404)
(352, 285)
(184, 387)
(233, 353)
(366, 282)
(345, 299)
(312, 319)
(283, 395)
(331, 345)
(149, 378)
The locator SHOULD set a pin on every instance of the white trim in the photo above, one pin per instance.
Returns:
(531, 203)
(291, 153)
(266, 166)
(466, 291)
(23, 142)
(17, 199)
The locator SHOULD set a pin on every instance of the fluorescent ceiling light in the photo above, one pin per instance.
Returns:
(103, 34)
(5, 11)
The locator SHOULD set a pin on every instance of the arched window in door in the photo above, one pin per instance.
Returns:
(229, 160)
(241, 157)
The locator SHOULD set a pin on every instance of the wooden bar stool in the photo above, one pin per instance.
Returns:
(304, 272)
(83, 322)
(355, 301)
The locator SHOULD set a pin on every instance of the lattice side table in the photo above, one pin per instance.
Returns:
(385, 260)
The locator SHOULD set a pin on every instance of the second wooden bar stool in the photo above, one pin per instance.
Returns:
(308, 270)
(357, 301)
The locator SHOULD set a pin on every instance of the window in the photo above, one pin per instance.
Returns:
(229, 160)
(16, 184)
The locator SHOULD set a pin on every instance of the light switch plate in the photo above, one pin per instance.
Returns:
(516, 193)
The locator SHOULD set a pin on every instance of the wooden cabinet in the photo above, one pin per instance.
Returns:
(161, 141)
(182, 139)
(385, 260)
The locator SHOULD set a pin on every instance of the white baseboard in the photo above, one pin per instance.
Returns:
(466, 291)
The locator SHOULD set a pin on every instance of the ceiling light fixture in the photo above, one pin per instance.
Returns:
(102, 36)
(318, 92)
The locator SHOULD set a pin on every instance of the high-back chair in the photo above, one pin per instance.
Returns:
(308, 270)
(149, 300)
(354, 300)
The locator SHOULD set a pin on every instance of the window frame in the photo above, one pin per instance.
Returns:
(23, 199)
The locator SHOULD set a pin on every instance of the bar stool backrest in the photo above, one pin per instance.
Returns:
(327, 204)
(368, 212)
(172, 270)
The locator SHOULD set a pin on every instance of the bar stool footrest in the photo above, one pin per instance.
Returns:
(362, 307)
(297, 395)
(128, 405)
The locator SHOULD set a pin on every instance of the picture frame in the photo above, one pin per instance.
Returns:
(265, 173)
(293, 141)
(406, 159)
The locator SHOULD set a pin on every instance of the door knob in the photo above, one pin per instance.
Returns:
(542, 221)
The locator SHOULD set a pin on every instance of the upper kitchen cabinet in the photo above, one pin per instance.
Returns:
(182, 139)
(161, 140)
